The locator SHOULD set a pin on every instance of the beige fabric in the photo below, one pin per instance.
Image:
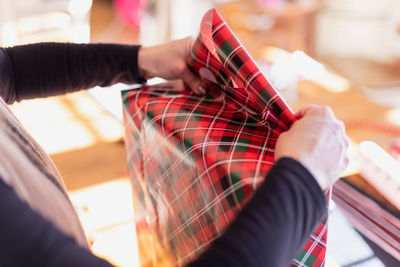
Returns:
(27, 168)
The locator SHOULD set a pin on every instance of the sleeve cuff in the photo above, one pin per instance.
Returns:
(303, 176)
(135, 67)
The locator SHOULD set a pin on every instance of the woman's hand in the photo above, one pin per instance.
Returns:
(319, 142)
(168, 61)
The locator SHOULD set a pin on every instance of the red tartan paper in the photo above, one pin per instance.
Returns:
(195, 161)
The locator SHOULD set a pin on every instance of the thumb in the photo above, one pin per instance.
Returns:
(193, 81)
(304, 110)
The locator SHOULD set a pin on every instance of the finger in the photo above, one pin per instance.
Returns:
(344, 153)
(346, 141)
(176, 85)
(342, 127)
(188, 41)
(326, 112)
(304, 110)
(298, 114)
(344, 163)
(322, 112)
(193, 82)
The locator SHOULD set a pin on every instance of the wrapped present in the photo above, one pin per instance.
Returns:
(195, 161)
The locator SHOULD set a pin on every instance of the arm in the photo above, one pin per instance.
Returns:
(47, 69)
(273, 226)
(27, 239)
(285, 209)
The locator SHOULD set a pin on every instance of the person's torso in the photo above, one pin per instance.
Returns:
(27, 168)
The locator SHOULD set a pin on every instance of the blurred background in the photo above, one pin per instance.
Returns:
(341, 53)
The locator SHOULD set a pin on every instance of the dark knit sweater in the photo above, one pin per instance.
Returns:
(269, 231)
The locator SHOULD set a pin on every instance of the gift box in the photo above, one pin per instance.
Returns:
(195, 161)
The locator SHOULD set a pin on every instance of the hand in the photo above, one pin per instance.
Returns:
(168, 61)
(319, 142)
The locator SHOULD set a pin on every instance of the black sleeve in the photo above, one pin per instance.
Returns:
(27, 239)
(270, 229)
(47, 69)
(273, 226)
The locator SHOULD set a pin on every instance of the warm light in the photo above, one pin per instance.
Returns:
(106, 213)
(104, 205)
(47, 21)
(56, 131)
(394, 116)
(304, 67)
(381, 170)
(354, 164)
(273, 54)
(103, 126)
(81, 33)
(9, 34)
(381, 159)
(75, 121)
(108, 129)
(63, 136)
(332, 82)
(54, 23)
(79, 7)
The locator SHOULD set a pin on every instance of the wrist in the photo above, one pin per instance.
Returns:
(302, 175)
(145, 62)
(318, 176)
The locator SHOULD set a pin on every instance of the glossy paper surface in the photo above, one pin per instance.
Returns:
(195, 161)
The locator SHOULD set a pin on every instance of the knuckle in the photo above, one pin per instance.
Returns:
(347, 142)
(314, 108)
(326, 112)
(179, 70)
(282, 136)
(346, 161)
(342, 126)
(339, 126)
(323, 112)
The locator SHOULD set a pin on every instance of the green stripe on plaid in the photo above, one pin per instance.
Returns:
(264, 94)
(224, 50)
(125, 98)
(191, 157)
(236, 181)
(150, 114)
(310, 259)
(242, 144)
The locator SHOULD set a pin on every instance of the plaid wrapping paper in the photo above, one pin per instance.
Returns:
(195, 161)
